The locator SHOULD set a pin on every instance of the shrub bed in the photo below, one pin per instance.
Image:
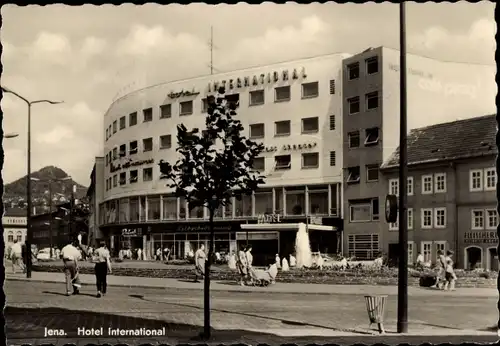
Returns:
(384, 276)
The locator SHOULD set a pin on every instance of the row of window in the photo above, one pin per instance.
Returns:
(354, 174)
(482, 179)
(426, 250)
(291, 201)
(372, 136)
(147, 145)
(256, 98)
(10, 236)
(371, 67)
(371, 103)
(283, 127)
(147, 175)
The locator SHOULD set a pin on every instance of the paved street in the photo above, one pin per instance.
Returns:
(238, 316)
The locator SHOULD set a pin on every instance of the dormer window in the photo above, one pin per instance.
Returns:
(353, 175)
(372, 136)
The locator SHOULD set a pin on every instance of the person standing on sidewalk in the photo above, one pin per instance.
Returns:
(199, 262)
(102, 268)
(241, 263)
(16, 256)
(70, 256)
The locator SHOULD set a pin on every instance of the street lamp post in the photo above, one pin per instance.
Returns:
(29, 232)
(50, 181)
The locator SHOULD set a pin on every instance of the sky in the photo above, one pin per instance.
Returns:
(87, 56)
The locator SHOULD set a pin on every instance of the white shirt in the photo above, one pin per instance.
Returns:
(69, 252)
(16, 249)
(420, 258)
(101, 254)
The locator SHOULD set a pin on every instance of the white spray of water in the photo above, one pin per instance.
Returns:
(303, 247)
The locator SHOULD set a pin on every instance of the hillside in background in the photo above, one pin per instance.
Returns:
(15, 192)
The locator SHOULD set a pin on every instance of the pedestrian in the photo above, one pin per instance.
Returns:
(241, 263)
(232, 261)
(293, 260)
(102, 268)
(158, 254)
(277, 261)
(165, 253)
(16, 256)
(139, 254)
(420, 262)
(199, 262)
(285, 267)
(249, 256)
(441, 270)
(450, 275)
(70, 256)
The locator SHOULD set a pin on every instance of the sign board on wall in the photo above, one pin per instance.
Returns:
(257, 235)
(482, 237)
(269, 218)
(132, 232)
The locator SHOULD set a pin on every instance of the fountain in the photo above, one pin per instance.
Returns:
(303, 247)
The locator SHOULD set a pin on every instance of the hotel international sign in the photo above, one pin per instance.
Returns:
(263, 78)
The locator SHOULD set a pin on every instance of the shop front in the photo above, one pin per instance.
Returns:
(480, 250)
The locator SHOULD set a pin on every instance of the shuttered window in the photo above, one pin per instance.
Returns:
(332, 122)
(333, 158)
(332, 86)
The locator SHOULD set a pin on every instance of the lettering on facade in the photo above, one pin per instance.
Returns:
(315, 220)
(114, 168)
(268, 218)
(270, 149)
(289, 147)
(258, 79)
(202, 228)
(483, 237)
(132, 232)
(183, 93)
(411, 71)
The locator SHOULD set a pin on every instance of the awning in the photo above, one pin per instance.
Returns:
(285, 226)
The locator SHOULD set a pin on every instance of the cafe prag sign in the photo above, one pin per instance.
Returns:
(261, 79)
(132, 232)
(268, 218)
(183, 93)
(481, 237)
(115, 168)
(202, 228)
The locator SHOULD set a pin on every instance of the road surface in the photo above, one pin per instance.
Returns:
(237, 317)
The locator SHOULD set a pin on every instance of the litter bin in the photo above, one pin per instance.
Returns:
(375, 306)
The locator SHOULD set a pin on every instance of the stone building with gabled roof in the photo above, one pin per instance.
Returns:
(452, 201)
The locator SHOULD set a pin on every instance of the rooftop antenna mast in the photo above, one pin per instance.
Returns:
(212, 47)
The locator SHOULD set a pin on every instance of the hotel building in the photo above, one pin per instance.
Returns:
(437, 91)
(293, 108)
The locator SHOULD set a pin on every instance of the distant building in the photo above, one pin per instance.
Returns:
(14, 223)
(452, 202)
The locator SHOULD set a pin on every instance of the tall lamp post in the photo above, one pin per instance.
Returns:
(402, 324)
(29, 238)
(50, 181)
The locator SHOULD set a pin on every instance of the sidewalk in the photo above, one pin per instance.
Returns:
(297, 288)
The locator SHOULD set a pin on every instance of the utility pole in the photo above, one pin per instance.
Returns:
(50, 218)
(212, 47)
(402, 325)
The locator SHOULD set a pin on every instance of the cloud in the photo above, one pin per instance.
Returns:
(479, 40)
(93, 46)
(56, 136)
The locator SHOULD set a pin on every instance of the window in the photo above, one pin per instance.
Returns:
(426, 218)
(115, 180)
(166, 111)
(372, 136)
(107, 134)
(310, 90)
(107, 159)
(477, 219)
(333, 158)
(332, 122)
(133, 147)
(115, 153)
(282, 128)
(256, 97)
(353, 174)
(394, 187)
(440, 217)
(19, 236)
(409, 186)
(123, 123)
(109, 130)
(410, 253)
(427, 250)
(310, 125)
(123, 178)
(147, 174)
(147, 144)
(282, 94)
(476, 180)
(148, 114)
(310, 160)
(353, 71)
(363, 246)
(410, 218)
(134, 175)
(427, 184)
(440, 182)
(394, 226)
(257, 131)
(318, 199)
(282, 162)
(371, 100)
(259, 164)
(295, 198)
(165, 142)
(233, 99)
(372, 173)
(132, 119)
(353, 103)
(490, 179)
(332, 86)
(371, 65)
(186, 108)
(492, 219)
(10, 237)
(439, 246)
(375, 209)
(353, 139)
(363, 210)
(115, 127)
(204, 105)
(123, 150)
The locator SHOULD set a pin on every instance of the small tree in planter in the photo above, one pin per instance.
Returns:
(215, 165)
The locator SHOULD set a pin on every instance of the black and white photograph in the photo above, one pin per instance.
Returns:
(250, 174)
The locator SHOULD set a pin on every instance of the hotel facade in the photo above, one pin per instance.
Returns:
(293, 108)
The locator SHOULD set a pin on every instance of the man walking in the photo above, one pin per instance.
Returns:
(70, 256)
(102, 267)
(16, 256)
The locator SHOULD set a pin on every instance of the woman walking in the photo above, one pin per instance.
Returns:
(241, 263)
(450, 272)
(102, 268)
(249, 256)
(441, 272)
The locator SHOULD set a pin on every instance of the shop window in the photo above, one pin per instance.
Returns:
(295, 201)
(318, 200)
(134, 209)
(263, 201)
(243, 206)
(154, 208)
(169, 208)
